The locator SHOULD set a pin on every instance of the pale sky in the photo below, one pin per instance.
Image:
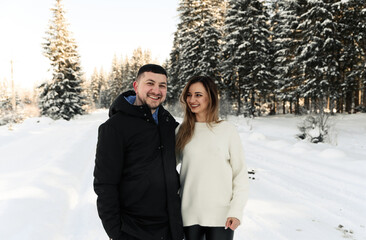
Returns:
(100, 28)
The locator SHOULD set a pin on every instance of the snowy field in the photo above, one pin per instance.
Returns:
(299, 190)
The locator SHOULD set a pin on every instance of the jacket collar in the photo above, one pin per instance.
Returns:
(121, 104)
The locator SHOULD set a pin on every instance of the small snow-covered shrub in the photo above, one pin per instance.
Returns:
(10, 117)
(249, 110)
(316, 128)
(7, 115)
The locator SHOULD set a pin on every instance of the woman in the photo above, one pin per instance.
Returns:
(214, 178)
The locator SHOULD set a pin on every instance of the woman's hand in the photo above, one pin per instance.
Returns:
(232, 223)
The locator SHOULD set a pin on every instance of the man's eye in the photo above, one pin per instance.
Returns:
(162, 86)
(150, 83)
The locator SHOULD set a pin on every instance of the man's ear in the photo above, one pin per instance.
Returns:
(135, 85)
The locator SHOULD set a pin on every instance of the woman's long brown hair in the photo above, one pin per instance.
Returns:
(186, 129)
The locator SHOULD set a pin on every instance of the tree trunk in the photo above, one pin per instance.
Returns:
(252, 103)
(349, 102)
(331, 106)
(291, 111)
(357, 98)
(274, 106)
(284, 107)
(307, 103)
(239, 103)
(297, 106)
(340, 105)
(311, 105)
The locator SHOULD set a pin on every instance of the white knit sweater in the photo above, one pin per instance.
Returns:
(214, 178)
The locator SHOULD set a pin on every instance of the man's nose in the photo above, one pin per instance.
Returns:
(155, 89)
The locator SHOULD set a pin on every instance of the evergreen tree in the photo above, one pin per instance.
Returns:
(200, 45)
(137, 60)
(6, 107)
(352, 29)
(284, 23)
(122, 75)
(62, 97)
(126, 83)
(105, 98)
(246, 60)
(176, 84)
(95, 88)
(209, 32)
(115, 79)
(287, 70)
(318, 52)
(147, 56)
(196, 49)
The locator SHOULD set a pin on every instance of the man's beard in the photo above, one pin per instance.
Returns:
(145, 103)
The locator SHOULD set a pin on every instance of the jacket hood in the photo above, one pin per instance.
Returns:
(142, 111)
(120, 104)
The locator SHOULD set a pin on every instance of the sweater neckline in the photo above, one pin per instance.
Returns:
(202, 125)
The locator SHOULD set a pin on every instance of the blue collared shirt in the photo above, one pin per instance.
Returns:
(131, 99)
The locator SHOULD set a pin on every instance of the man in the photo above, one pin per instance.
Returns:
(135, 174)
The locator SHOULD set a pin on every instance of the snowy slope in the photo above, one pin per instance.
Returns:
(303, 190)
(299, 191)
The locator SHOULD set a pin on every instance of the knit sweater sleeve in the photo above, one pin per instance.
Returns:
(240, 186)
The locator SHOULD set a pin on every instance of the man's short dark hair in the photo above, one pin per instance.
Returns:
(151, 68)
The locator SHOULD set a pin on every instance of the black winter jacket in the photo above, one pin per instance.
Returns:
(135, 174)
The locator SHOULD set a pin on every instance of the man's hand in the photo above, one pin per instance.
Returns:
(232, 223)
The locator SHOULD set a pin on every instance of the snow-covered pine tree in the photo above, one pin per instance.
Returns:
(62, 97)
(246, 58)
(95, 88)
(352, 29)
(196, 42)
(115, 79)
(318, 53)
(200, 50)
(105, 98)
(146, 56)
(126, 83)
(7, 113)
(137, 60)
(5, 99)
(176, 84)
(291, 86)
(284, 23)
(173, 71)
(232, 40)
(191, 46)
(362, 42)
(208, 28)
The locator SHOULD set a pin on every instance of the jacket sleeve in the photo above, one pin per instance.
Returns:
(240, 185)
(107, 176)
(178, 155)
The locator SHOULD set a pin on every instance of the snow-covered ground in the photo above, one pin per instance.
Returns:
(299, 190)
